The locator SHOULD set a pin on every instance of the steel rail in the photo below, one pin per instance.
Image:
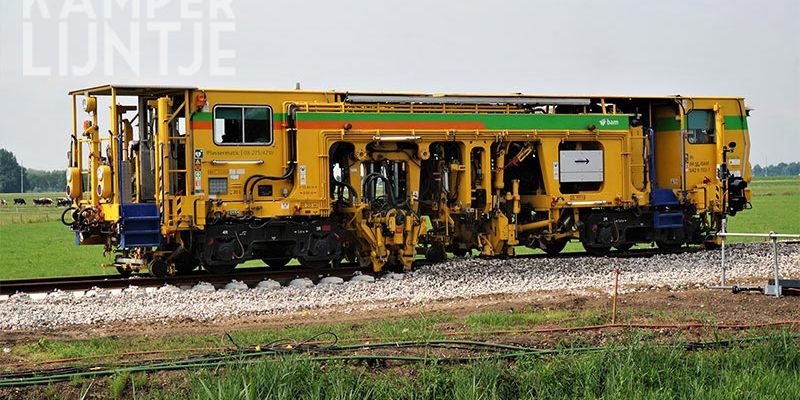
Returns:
(249, 276)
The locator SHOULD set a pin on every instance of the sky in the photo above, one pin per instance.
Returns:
(613, 47)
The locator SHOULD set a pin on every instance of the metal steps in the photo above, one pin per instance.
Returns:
(140, 225)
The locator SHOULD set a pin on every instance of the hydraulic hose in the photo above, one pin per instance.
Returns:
(64, 214)
(256, 354)
(249, 186)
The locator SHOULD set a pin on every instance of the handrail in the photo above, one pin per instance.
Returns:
(242, 162)
(767, 235)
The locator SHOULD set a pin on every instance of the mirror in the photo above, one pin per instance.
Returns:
(732, 145)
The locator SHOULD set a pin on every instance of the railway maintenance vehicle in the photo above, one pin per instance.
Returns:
(169, 179)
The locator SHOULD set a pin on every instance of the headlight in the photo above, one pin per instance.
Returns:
(89, 104)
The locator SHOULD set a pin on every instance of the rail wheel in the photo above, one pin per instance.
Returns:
(597, 251)
(278, 262)
(124, 272)
(553, 247)
(624, 247)
(158, 267)
(220, 269)
(669, 247)
(436, 253)
(459, 252)
(314, 264)
(712, 242)
(185, 266)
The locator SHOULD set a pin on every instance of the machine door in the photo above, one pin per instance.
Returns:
(232, 143)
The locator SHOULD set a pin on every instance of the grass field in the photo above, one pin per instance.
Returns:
(34, 243)
(635, 364)
(776, 207)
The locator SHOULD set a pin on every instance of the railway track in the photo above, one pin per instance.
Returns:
(249, 276)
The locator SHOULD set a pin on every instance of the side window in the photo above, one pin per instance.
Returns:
(700, 127)
(242, 125)
(227, 125)
(256, 125)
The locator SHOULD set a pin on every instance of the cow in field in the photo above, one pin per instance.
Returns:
(19, 201)
(3, 202)
(43, 201)
(63, 202)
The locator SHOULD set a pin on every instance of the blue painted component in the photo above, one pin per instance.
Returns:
(667, 219)
(663, 197)
(140, 225)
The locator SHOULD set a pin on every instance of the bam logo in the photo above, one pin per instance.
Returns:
(609, 122)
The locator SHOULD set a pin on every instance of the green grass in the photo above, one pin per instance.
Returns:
(776, 207)
(767, 369)
(33, 243)
(28, 213)
(43, 249)
(421, 326)
(638, 371)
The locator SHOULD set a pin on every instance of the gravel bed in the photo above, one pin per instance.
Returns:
(456, 279)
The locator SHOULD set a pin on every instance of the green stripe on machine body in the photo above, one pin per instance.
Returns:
(207, 116)
(489, 121)
(732, 122)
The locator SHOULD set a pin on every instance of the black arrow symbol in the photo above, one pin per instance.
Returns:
(584, 161)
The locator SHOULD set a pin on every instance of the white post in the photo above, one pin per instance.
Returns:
(724, 237)
(775, 264)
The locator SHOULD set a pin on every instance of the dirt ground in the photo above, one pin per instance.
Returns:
(697, 305)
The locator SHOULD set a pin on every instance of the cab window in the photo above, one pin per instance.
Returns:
(242, 125)
(700, 127)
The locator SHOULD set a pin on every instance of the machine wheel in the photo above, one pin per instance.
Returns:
(711, 243)
(278, 262)
(461, 252)
(314, 264)
(669, 247)
(158, 267)
(436, 253)
(597, 251)
(220, 269)
(623, 247)
(185, 266)
(553, 247)
(124, 272)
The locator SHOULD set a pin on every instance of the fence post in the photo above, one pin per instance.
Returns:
(774, 238)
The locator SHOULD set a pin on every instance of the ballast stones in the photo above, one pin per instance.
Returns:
(301, 283)
(236, 285)
(268, 284)
(331, 280)
(362, 278)
(393, 276)
(204, 287)
(169, 289)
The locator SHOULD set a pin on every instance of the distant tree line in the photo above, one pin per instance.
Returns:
(34, 180)
(780, 169)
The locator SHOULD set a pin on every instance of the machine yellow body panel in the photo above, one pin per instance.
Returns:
(229, 175)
